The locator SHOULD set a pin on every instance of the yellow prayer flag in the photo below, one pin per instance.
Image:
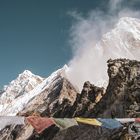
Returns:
(88, 121)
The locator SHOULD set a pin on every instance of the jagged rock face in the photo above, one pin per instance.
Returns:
(122, 98)
(10, 132)
(54, 101)
(61, 99)
(17, 95)
(86, 101)
(16, 89)
(1, 92)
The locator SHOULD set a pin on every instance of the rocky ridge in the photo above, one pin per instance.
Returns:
(121, 99)
(57, 97)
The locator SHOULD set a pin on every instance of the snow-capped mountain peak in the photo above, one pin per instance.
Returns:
(18, 93)
(131, 26)
(26, 80)
(26, 72)
(123, 40)
(24, 83)
(125, 22)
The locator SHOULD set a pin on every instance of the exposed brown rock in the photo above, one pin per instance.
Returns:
(54, 101)
(86, 101)
(121, 99)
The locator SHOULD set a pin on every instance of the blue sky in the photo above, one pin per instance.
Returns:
(34, 34)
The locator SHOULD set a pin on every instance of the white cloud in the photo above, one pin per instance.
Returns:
(89, 62)
(115, 4)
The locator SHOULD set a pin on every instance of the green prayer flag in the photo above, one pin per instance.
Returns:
(64, 123)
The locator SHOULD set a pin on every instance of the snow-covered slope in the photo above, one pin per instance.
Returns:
(24, 89)
(24, 83)
(123, 40)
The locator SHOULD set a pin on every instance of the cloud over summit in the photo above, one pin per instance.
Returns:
(89, 55)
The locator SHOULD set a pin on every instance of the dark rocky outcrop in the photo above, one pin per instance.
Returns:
(86, 132)
(86, 101)
(54, 101)
(121, 99)
(1, 92)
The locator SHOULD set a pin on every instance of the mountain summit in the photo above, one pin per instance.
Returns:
(123, 40)
(56, 96)
(20, 91)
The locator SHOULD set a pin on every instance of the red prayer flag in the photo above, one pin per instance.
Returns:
(137, 120)
(40, 123)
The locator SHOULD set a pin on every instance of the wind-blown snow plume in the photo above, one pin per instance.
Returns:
(94, 42)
